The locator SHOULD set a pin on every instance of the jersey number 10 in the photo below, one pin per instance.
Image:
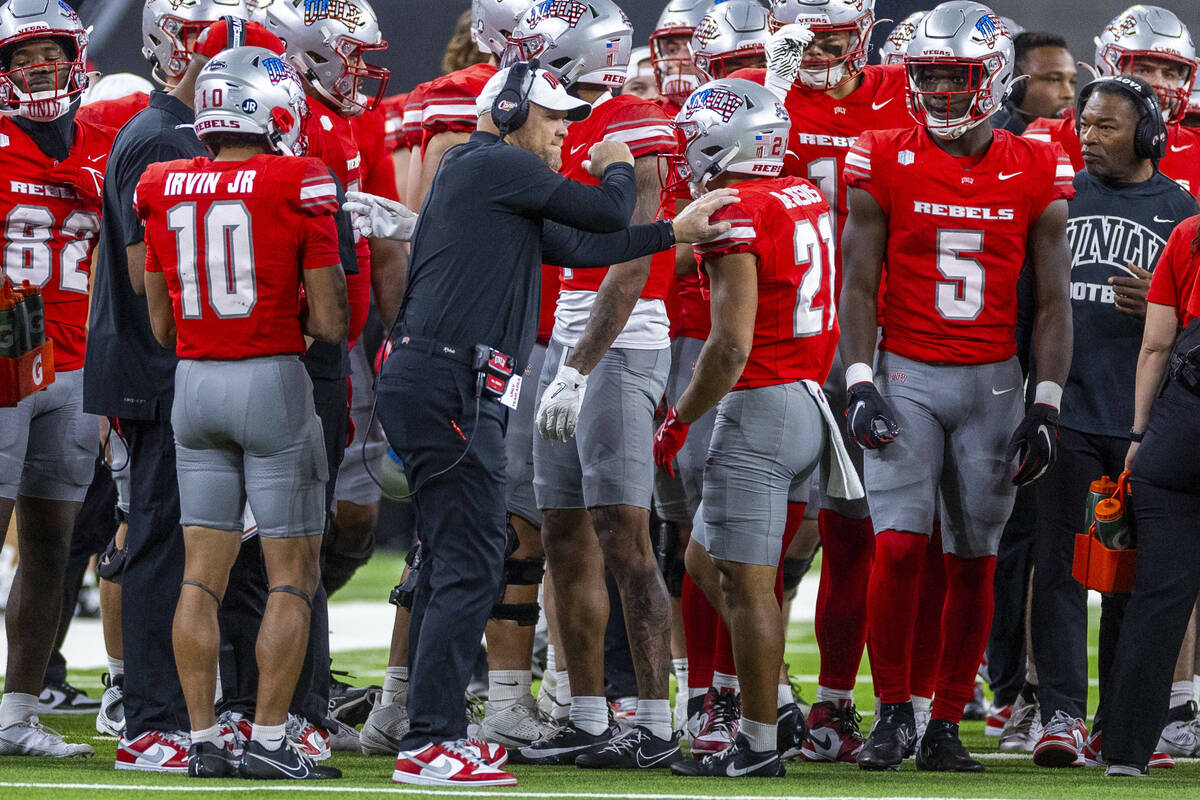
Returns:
(227, 245)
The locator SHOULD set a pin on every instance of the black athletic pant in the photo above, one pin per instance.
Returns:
(1059, 615)
(1166, 503)
(427, 405)
(1014, 561)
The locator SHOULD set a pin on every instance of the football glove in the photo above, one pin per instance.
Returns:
(668, 441)
(379, 218)
(869, 417)
(1035, 443)
(558, 411)
(785, 51)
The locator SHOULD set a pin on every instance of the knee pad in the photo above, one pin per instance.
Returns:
(286, 589)
(519, 572)
(111, 564)
(794, 570)
(204, 589)
(670, 558)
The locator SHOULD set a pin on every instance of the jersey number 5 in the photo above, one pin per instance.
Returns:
(227, 245)
(960, 297)
(811, 318)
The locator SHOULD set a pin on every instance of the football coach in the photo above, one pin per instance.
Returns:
(496, 211)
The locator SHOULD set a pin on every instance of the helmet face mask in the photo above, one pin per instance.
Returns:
(1151, 42)
(841, 33)
(43, 56)
(251, 90)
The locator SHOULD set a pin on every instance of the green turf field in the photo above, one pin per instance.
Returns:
(1006, 776)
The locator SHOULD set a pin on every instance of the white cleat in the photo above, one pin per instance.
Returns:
(386, 725)
(515, 725)
(31, 738)
(1023, 729)
(110, 719)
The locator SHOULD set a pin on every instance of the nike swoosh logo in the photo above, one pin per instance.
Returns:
(825, 743)
(877, 106)
(443, 768)
(645, 763)
(298, 771)
(98, 158)
(737, 772)
(998, 392)
(1177, 149)
(1004, 177)
(158, 754)
(1163, 221)
(575, 150)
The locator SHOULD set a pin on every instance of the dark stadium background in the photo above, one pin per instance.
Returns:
(418, 29)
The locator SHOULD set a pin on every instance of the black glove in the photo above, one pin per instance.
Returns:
(1036, 443)
(869, 418)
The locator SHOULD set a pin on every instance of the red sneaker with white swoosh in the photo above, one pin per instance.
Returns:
(154, 751)
(448, 764)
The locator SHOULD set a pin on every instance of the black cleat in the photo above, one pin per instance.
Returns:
(208, 760)
(634, 749)
(286, 763)
(735, 761)
(891, 740)
(567, 743)
(791, 730)
(942, 751)
(350, 704)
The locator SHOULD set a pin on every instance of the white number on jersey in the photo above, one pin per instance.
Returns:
(824, 173)
(811, 319)
(28, 231)
(229, 258)
(961, 297)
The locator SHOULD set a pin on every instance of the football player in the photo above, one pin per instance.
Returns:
(671, 51)
(54, 169)
(732, 36)
(593, 481)
(1152, 43)
(245, 335)
(955, 208)
(774, 332)
(1192, 118)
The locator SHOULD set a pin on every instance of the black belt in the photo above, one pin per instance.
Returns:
(457, 353)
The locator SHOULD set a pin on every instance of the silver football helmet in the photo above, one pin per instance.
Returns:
(170, 29)
(493, 21)
(41, 91)
(671, 48)
(969, 39)
(733, 29)
(577, 41)
(1142, 32)
(728, 125)
(853, 17)
(252, 90)
(328, 42)
(895, 46)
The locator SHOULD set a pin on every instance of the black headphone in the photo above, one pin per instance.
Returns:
(1150, 137)
(510, 109)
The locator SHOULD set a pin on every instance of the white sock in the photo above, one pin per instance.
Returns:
(562, 688)
(1196, 688)
(395, 686)
(783, 695)
(507, 686)
(723, 681)
(697, 691)
(551, 659)
(116, 667)
(825, 694)
(654, 716)
(760, 736)
(17, 707)
(680, 667)
(1181, 693)
(211, 735)
(589, 714)
(921, 703)
(269, 736)
(878, 708)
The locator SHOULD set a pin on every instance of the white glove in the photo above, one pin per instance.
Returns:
(558, 410)
(785, 51)
(379, 218)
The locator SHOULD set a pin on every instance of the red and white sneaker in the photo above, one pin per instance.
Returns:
(235, 731)
(997, 716)
(1062, 742)
(1161, 760)
(308, 738)
(494, 755)
(833, 733)
(154, 751)
(721, 726)
(448, 764)
(1092, 756)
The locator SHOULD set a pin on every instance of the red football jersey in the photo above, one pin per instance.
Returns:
(550, 286)
(1181, 162)
(51, 213)
(378, 169)
(785, 223)
(410, 118)
(237, 297)
(643, 126)
(1174, 283)
(114, 113)
(957, 234)
(450, 101)
(393, 114)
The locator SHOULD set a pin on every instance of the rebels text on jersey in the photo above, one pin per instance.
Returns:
(1181, 163)
(957, 235)
(51, 214)
(231, 238)
(785, 224)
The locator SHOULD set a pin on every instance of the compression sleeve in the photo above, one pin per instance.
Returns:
(563, 246)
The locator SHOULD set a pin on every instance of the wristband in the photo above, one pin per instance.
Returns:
(1136, 436)
(1048, 393)
(859, 372)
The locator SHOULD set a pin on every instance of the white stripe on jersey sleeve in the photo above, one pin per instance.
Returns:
(1064, 171)
(856, 160)
(435, 110)
(646, 133)
(318, 191)
(747, 232)
(1040, 136)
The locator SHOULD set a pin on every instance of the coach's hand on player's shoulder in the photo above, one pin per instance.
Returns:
(604, 154)
(692, 224)
(1034, 443)
(869, 417)
(379, 218)
(1130, 292)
